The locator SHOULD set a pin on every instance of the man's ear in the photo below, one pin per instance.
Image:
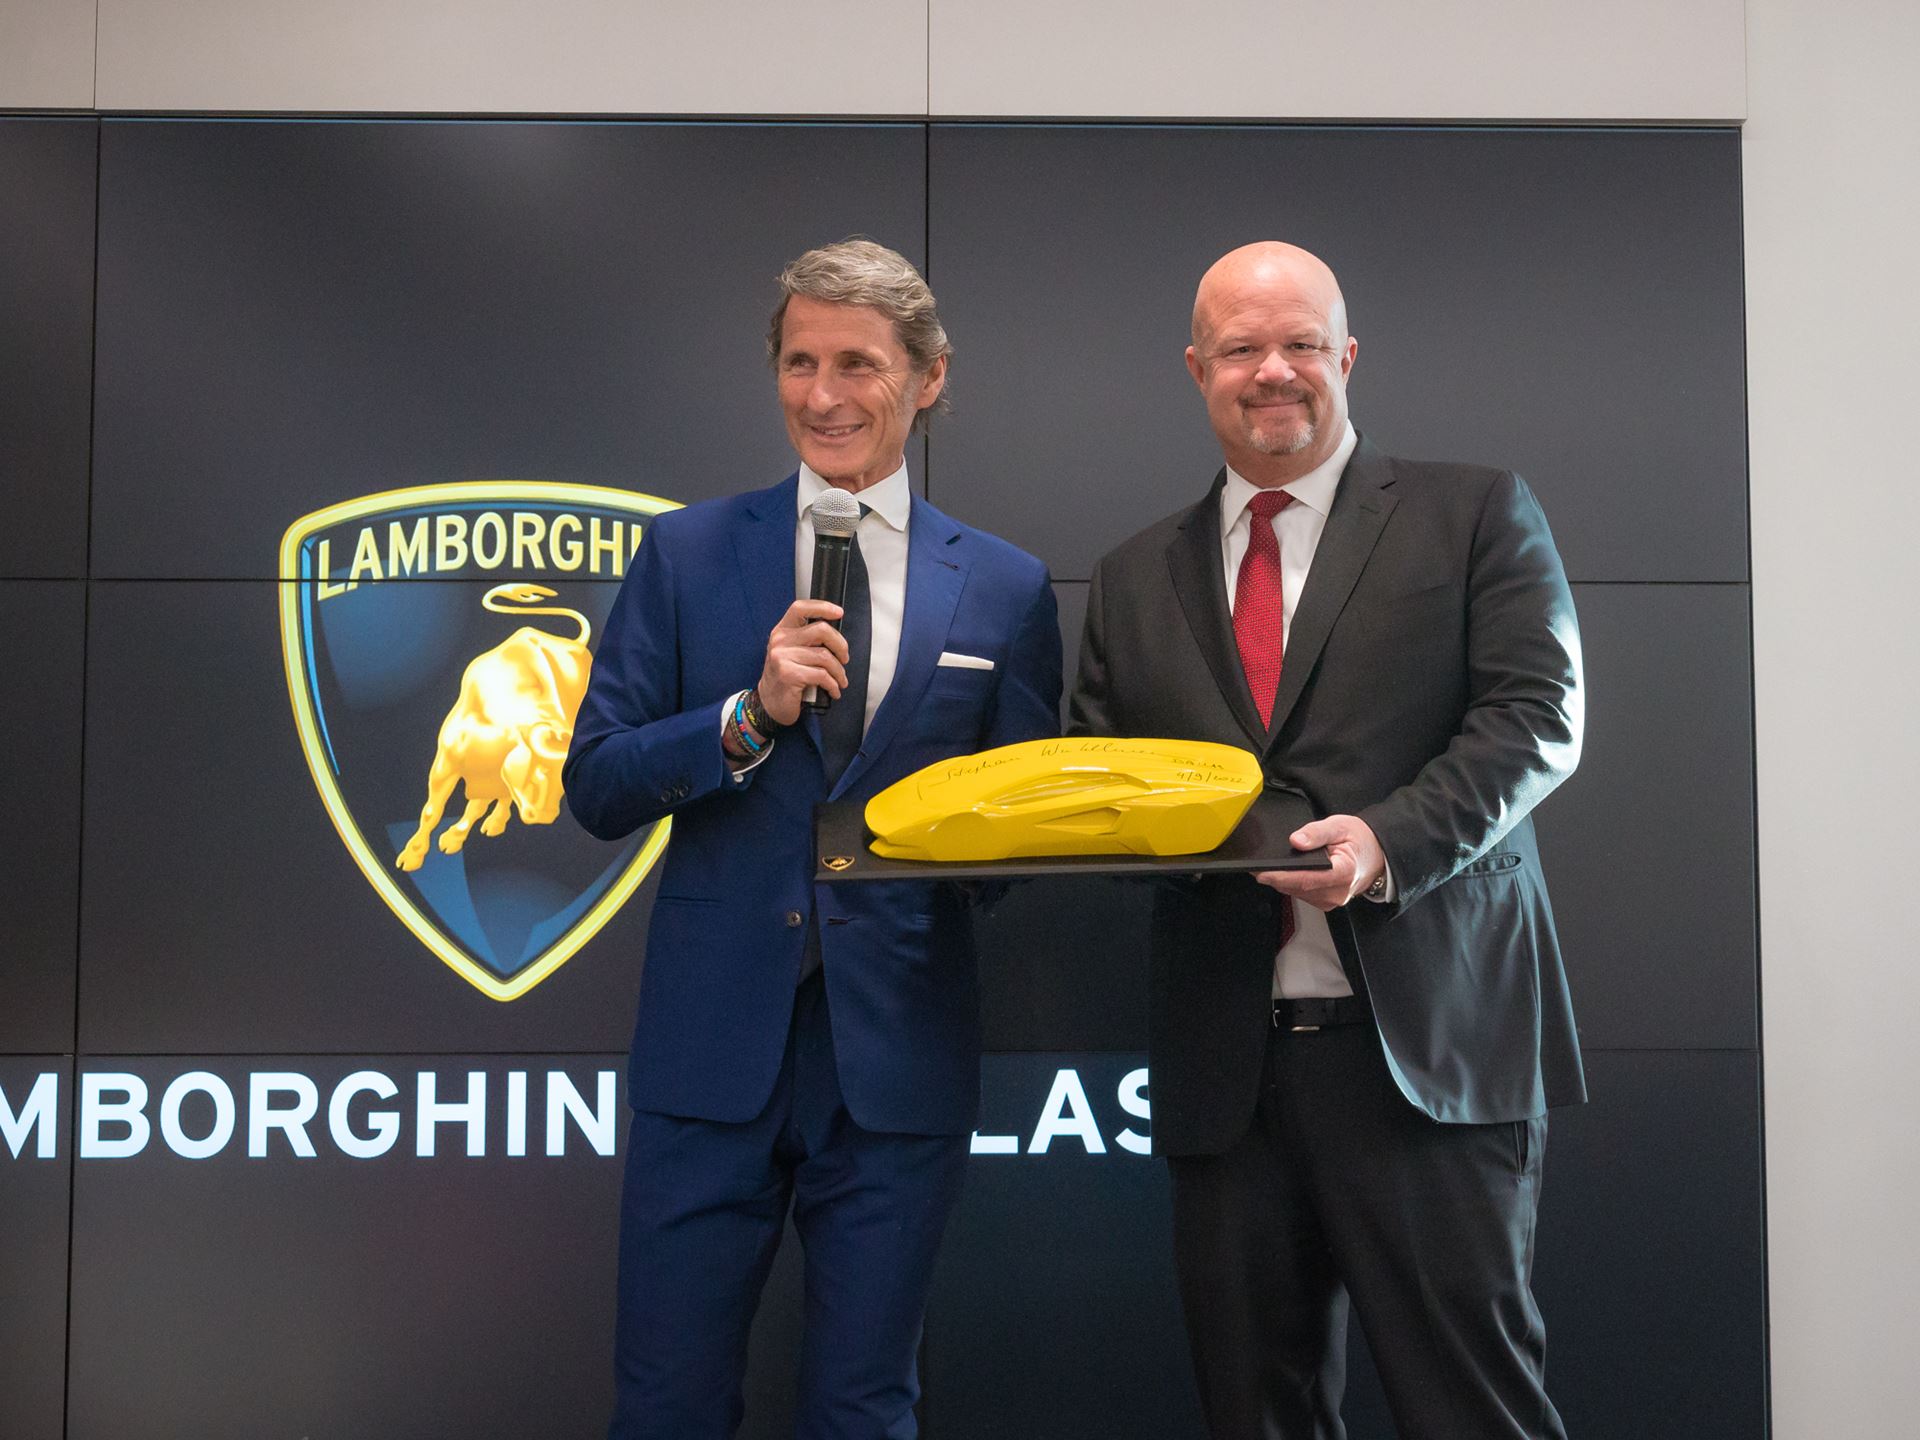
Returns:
(932, 383)
(1196, 368)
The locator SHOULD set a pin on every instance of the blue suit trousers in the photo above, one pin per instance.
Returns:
(705, 1206)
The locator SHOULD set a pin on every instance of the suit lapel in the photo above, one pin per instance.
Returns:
(936, 574)
(763, 548)
(1199, 579)
(1361, 506)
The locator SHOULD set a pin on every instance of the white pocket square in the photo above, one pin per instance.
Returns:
(965, 662)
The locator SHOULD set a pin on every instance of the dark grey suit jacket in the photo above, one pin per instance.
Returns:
(1431, 687)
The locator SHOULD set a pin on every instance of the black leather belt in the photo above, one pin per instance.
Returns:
(1320, 1013)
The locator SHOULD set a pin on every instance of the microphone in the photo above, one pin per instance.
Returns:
(836, 515)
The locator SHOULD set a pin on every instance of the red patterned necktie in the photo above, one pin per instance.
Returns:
(1259, 616)
(1259, 623)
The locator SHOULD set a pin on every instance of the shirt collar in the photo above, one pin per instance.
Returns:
(1313, 489)
(890, 499)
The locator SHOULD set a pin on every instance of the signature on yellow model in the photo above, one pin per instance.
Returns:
(506, 737)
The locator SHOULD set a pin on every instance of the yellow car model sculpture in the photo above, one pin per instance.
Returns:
(1081, 796)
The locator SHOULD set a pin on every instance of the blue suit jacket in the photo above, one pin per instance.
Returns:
(736, 891)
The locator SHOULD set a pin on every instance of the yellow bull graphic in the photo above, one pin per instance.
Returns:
(507, 735)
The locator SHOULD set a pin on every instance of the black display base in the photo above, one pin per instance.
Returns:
(1258, 842)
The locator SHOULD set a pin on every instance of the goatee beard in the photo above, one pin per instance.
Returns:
(1292, 443)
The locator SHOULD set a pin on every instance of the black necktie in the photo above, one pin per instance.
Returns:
(846, 719)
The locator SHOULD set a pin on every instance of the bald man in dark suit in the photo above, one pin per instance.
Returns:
(1352, 1068)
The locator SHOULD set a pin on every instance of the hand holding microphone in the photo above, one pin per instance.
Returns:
(836, 515)
(806, 654)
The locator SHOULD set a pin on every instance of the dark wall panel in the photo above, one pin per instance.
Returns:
(46, 345)
(33, 1258)
(1652, 1249)
(1649, 848)
(1503, 285)
(1054, 1314)
(1071, 597)
(228, 1297)
(225, 914)
(373, 1296)
(1066, 958)
(41, 649)
(296, 314)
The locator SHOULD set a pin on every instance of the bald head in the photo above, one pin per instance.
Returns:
(1269, 265)
(1271, 354)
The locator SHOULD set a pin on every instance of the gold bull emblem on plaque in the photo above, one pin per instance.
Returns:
(506, 737)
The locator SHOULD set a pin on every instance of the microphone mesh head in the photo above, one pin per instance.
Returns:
(835, 513)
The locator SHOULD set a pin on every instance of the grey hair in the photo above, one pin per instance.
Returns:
(859, 271)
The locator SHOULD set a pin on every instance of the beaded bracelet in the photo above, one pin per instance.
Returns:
(743, 727)
(746, 734)
(734, 738)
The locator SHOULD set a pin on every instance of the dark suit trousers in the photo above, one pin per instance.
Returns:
(701, 1216)
(1342, 1191)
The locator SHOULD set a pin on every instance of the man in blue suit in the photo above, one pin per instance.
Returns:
(802, 1046)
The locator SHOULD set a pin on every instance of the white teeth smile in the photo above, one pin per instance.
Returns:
(834, 434)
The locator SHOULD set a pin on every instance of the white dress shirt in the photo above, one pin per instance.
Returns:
(1307, 965)
(882, 534)
(883, 545)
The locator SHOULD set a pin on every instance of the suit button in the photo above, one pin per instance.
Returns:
(795, 919)
(666, 797)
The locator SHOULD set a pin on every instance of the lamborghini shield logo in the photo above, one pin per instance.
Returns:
(437, 642)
